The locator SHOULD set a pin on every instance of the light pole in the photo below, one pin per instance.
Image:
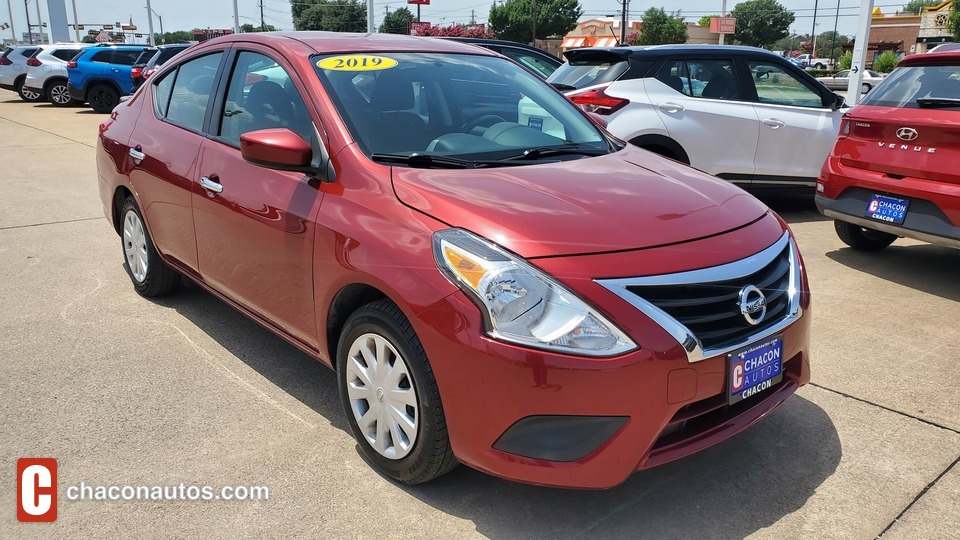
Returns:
(813, 54)
(76, 30)
(12, 28)
(26, 8)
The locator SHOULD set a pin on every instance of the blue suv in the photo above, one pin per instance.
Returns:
(100, 75)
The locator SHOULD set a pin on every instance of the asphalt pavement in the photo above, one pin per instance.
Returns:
(122, 390)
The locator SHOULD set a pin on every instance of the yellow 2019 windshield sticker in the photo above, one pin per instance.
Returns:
(356, 62)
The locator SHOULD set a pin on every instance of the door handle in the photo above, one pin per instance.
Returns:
(774, 123)
(137, 155)
(670, 107)
(210, 184)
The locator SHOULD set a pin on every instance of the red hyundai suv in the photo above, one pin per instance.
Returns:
(520, 293)
(893, 172)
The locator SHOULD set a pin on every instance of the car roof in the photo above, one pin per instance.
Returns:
(931, 59)
(660, 50)
(332, 42)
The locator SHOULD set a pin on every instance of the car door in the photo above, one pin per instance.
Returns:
(703, 108)
(255, 226)
(796, 129)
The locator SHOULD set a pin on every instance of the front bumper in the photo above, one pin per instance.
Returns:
(847, 192)
(593, 421)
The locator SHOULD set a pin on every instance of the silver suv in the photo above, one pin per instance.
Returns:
(47, 72)
(13, 70)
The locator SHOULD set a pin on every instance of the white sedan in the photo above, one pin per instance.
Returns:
(841, 79)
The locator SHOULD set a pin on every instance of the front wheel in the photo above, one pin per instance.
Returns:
(390, 396)
(864, 88)
(150, 275)
(103, 98)
(861, 238)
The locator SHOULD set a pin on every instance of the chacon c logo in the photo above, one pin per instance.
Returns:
(36, 490)
(752, 304)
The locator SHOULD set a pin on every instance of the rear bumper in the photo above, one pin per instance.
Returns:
(847, 192)
(76, 93)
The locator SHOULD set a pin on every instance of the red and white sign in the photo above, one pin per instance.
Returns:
(723, 25)
(36, 490)
(419, 2)
(416, 26)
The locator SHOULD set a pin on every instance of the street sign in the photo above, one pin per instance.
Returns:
(108, 27)
(416, 26)
(723, 25)
(419, 2)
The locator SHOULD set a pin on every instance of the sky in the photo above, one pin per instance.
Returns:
(190, 14)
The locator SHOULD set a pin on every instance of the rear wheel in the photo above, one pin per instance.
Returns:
(150, 275)
(864, 88)
(103, 98)
(27, 95)
(390, 396)
(862, 238)
(58, 94)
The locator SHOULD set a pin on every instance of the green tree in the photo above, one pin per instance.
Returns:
(705, 20)
(953, 23)
(329, 15)
(845, 61)
(886, 62)
(830, 44)
(176, 37)
(660, 28)
(513, 20)
(916, 6)
(246, 28)
(787, 44)
(761, 22)
(397, 22)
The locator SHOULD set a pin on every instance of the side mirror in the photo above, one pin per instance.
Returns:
(277, 148)
(838, 102)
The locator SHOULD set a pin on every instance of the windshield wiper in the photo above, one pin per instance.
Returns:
(938, 103)
(426, 161)
(547, 151)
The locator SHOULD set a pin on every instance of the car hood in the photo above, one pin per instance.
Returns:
(622, 201)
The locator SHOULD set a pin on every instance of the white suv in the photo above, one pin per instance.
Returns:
(740, 113)
(47, 72)
(13, 70)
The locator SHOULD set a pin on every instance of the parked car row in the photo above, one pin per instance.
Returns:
(72, 73)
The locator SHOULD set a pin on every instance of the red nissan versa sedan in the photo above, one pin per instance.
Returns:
(893, 171)
(496, 282)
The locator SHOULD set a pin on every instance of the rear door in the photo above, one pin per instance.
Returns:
(704, 109)
(255, 230)
(796, 130)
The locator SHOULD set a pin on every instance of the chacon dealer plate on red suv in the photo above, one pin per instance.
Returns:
(535, 300)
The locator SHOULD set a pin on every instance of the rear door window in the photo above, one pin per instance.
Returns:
(65, 54)
(102, 57)
(125, 58)
(698, 77)
(183, 95)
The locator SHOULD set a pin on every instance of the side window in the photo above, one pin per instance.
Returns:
(161, 93)
(103, 57)
(65, 54)
(674, 74)
(712, 79)
(775, 85)
(261, 95)
(126, 58)
(191, 91)
(27, 53)
(529, 61)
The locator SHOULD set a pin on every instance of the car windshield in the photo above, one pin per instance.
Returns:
(918, 87)
(455, 106)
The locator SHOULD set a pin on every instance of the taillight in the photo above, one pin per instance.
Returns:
(5, 62)
(596, 101)
(136, 72)
(149, 72)
(71, 64)
(33, 62)
(844, 127)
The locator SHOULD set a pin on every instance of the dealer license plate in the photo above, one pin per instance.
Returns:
(887, 209)
(755, 369)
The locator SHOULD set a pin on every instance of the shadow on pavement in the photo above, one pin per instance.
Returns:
(294, 372)
(729, 491)
(927, 268)
(794, 206)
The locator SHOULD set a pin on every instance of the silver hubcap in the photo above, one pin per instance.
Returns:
(59, 94)
(382, 396)
(135, 245)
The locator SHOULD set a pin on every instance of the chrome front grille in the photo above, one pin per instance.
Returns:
(702, 308)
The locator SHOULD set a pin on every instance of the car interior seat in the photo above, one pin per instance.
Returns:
(397, 129)
(720, 87)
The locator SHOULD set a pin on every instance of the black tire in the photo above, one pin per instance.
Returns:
(864, 88)
(24, 95)
(665, 152)
(430, 455)
(103, 98)
(58, 94)
(156, 279)
(861, 238)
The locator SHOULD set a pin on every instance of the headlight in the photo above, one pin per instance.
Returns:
(521, 304)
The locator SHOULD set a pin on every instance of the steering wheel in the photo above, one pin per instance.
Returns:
(486, 120)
